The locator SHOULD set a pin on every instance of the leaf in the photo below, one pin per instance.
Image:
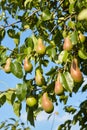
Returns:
(10, 96)
(29, 43)
(70, 109)
(46, 15)
(21, 90)
(26, 2)
(82, 15)
(2, 99)
(17, 38)
(63, 56)
(74, 37)
(16, 69)
(67, 81)
(27, 50)
(17, 108)
(52, 70)
(34, 39)
(2, 33)
(30, 116)
(11, 33)
(51, 51)
(82, 54)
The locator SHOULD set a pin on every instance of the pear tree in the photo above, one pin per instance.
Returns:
(48, 52)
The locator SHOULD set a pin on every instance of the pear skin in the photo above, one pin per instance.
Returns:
(40, 49)
(58, 89)
(67, 44)
(39, 78)
(75, 71)
(47, 104)
(27, 65)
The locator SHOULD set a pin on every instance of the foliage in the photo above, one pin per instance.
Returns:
(52, 21)
(13, 124)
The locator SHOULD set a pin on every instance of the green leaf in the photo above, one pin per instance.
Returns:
(74, 37)
(51, 51)
(16, 69)
(17, 108)
(82, 54)
(10, 96)
(46, 15)
(82, 15)
(29, 43)
(34, 39)
(17, 38)
(70, 109)
(52, 70)
(63, 56)
(67, 81)
(26, 2)
(30, 116)
(11, 33)
(2, 99)
(21, 90)
(2, 33)
(27, 50)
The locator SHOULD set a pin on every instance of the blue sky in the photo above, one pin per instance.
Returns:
(10, 81)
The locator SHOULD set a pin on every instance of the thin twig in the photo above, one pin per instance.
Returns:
(18, 20)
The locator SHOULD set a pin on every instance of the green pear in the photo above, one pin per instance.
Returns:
(47, 104)
(40, 49)
(39, 78)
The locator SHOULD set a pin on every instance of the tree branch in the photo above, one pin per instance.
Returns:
(19, 20)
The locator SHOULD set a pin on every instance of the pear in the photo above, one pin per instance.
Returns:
(27, 65)
(40, 49)
(47, 104)
(7, 67)
(39, 78)
(58, 89)
(81, 37)
(75, 71)
(67, 44)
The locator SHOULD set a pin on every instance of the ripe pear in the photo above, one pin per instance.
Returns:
(47, 104)
(27, 65)
(75, 71)
(40, 49)
(58, 86)
(39, 78)
(7, 67)
(67, 44)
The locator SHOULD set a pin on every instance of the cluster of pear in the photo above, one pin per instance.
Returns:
(74, 69)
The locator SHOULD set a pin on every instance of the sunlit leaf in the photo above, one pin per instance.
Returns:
(21, 90)
(63, 56)
(67, 81)
(46, 15)
(16, 69)
(82, 15)
(17, 108)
